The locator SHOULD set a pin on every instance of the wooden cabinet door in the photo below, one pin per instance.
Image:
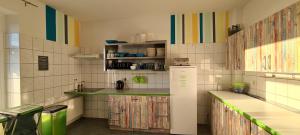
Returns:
(159, 112)
(255, 130)
(139, 112)
(225, 121)
(114, 110)
(125, 111)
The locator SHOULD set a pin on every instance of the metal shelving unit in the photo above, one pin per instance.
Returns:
(135, 58)
(134, 48)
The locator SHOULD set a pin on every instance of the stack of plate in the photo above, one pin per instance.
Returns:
(160, 52)
(151, 52)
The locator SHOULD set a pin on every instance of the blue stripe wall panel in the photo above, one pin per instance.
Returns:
(50, 23)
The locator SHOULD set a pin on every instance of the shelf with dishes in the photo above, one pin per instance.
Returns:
(138, 57)
(135, 58)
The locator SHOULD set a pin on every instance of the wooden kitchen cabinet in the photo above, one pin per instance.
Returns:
(225, 121)
(255, 130)
(147, 113)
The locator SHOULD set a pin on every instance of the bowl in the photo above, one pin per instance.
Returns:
(121, 54)
(133, 67)
(140, 55)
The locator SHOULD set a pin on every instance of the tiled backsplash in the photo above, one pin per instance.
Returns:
(26, 84)
(280, 91)
(212, 75)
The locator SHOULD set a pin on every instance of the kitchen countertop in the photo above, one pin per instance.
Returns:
(132, 92)
(273, 119)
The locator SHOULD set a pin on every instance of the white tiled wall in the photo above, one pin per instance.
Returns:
(28, 85)
(212, 75)
(2, 72)
(280, 91)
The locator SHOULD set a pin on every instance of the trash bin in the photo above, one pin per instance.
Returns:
(54, 120)
(3, 120)
(22, 120)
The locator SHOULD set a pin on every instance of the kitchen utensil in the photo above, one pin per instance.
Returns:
(131, 55)
(240, 87)
(151, 37)
(181, 62)
(160, 52)
(133, 67)
(139, 79)
(120, 85)
(121, 54)
(140, 55)
(151, 52)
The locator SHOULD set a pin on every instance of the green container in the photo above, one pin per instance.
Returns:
(54, 120)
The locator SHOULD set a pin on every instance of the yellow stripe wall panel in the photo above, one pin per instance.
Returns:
(221, 27)
(71, 30)
(60, 29)
(188, 28)
(195, 29)
(77, 35)
(226, 23)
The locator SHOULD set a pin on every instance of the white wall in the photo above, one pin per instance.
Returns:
(26, 84)
(31, 19)
(256, 10)
(209, 58)
(2, 88)
(94, 34)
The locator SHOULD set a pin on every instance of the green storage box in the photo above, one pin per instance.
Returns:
(54, 120)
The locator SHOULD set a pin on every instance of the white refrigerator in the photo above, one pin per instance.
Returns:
(183, 90)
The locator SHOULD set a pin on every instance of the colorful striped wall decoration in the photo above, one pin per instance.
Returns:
(71, 30)
(179, 23)
(198, 28)
(208, 27)
(62, 28)
(173, 27)
(188, 28)
(201, 27)
(66, 30)
(50, 23)
(221, 32)
(195, 23)
(76, 31)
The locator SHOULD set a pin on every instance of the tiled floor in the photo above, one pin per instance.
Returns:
(87, 126)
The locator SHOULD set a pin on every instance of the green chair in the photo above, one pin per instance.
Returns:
(22, 120)
(54, 120)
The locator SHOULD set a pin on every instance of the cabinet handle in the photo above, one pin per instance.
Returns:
(134, 99)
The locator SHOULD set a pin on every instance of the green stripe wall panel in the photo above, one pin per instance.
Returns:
(50, 23)
(173, 28)
(201, 27)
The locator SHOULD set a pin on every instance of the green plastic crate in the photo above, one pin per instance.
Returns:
(54, 120)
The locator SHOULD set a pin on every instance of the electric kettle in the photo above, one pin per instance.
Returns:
(120, 85)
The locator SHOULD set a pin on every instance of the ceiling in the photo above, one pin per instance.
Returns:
(93, 10)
